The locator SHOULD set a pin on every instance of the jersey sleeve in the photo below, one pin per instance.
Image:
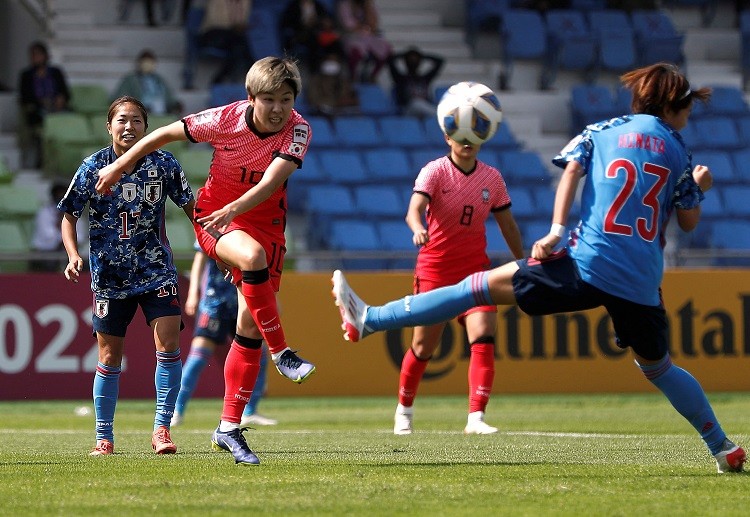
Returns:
(204, 125)
(579, 149)
(427, 179)
(502, 197)
(178, 187)
(80, 189)
(296, 140)
(687, 194)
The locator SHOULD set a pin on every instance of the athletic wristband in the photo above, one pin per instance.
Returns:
(557, 230)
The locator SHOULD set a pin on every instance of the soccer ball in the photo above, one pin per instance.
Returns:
(469, 113)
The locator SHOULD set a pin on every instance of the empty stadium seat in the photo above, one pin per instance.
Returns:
(64, 135)
(389, 165)
(590, 103)
(356, 236)
(358, 132)
(195, 163)
(720, 163)
(344, 166)
(402, 131)
(89, 99)
(572, 45)
(395, 236)
(616, 39)
(717, 133)
(741, 161)
(322, 131)
(330, 200)
(226, 93)
(523, 35)
(378, 201)
(373, 100)
(18, 202)
(657, 38)
(524, 167)
(736, 202)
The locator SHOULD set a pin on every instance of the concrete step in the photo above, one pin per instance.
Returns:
(713, 44)
(164, 41)
(411, 18)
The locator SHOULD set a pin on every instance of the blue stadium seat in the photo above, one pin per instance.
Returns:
(524, 36)
(395, 235)
(433, 133)
(262, 34)
(720, 163)
(572, 45)
(741, 160)
(344, 167)
(616, 38)
(523, 205)
(690, 135)
(483, 15)
(301, 180)
(358, 131)
(378, 201)
(623, 99)
(504, 139)
(717, 133)
(590, 103)
(713, 204)
(736, 202)
(657, 38)
(744, 23)
(524, 167)
(193, 49)
(727, 234)
(389, 165)
(358, 236)
(323, 134)
(330, 200)
(402, 131)
(728, 101)
(420, 157)
(373, 100)
(226, 93)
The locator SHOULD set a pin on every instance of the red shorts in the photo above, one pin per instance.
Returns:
(422, 285)
(270, 236)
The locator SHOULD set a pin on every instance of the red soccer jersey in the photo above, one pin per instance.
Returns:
(242, 154)
(459, 206)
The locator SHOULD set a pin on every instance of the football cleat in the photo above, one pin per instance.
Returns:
(731, 458)
(256, 419)
(476, 424)
(402, 421)
(293, 367)
(353, 310)
(161, 442)
(103, 448)
(234, 441)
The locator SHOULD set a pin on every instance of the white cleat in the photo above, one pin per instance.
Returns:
(256, 419)
(353, 310)
(731, 458)
(402, 421)
(476, 424)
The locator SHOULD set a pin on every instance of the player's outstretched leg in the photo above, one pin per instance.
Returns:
(293, 367)
(353, 310)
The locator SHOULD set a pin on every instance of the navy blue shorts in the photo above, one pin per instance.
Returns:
(555, 285)
(218, 330)
(113, 316)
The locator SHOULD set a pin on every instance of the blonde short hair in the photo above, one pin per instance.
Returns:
(270, 74)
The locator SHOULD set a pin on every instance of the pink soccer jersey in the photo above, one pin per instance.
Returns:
(241, 154)
(459, 206)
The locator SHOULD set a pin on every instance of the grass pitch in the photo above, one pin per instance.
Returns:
(554, 455)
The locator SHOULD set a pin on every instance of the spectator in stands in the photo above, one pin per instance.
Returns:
(224, 27)
(613, 258)
(413, 73)
(367, 50)
(299, 25)
(453, 198)
(212, 299)
(42, 89)
(145, 84)
(148, 10)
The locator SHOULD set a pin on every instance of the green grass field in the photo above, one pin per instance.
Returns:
(555, 455)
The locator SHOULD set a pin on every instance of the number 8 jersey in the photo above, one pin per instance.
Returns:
(638, 170)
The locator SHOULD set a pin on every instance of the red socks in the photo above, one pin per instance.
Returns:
(261, 302)
(412, 369)
(240, 373)
(481, 375)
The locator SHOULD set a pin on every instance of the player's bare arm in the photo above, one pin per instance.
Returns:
(112, 173)
(70, 242)
(415, 218)
(566, 191)
(275, 176)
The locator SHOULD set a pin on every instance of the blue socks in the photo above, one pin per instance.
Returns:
(431, 307)
(106, 389)
(196, 361)
(167, 381)
(688, 398)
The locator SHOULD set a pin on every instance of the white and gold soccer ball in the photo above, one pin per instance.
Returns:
(469, 113)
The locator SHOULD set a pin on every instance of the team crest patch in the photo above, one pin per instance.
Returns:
(153, 173)
(485, 195)
(101, 308)
(296, 149)
(301, 134)
(129, 191)
(153, 191)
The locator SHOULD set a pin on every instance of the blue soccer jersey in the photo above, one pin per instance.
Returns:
(129, 251)
(219, 299)
(638, 170)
